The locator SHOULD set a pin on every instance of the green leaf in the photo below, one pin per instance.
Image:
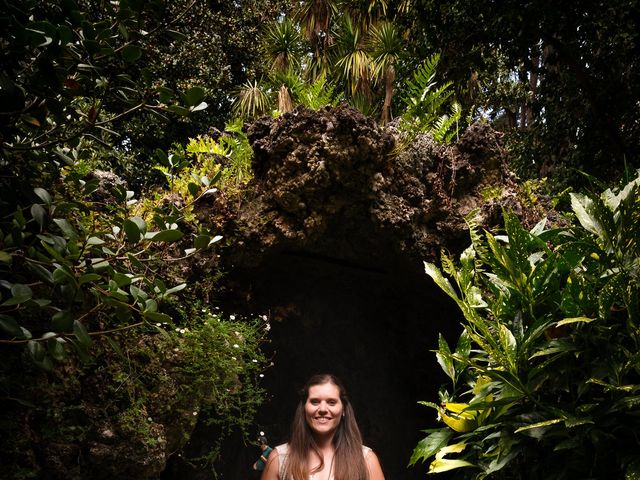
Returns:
(55, 347)
(179, 110)
(157, 317)
(134, 261)
(546, 423)
(435, 273)
(142, 225)
(81, 333)
(38, 213)
(5, 257)
(43, 195)
(10, 326)
(509, 346)
(40, 271)
(62, 321)
(165, 94)
(20, 294)
(583, 208)
(89, 277)
(131, 230)
(61, 276)
(443, 356)
(175, 35)
(193, 96)
(568, 321)
(95, 241)
(194, 189)
(66, 227)
(138, 293)
(441, 464)
(167, 236)
(428, 446)
(175, 289)
(163, 332)
(121, 279)
(131, 53)
(201, 241)
(36, 350)
(116, 348)
(150, 305)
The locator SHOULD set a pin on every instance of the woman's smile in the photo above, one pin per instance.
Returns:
(323, 408)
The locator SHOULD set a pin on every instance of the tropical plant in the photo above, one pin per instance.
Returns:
(546, 374)
(282, 46)
(365, 13)
(386, 48)
(252, 100)
(314, 17)
(353, 62)
(426, 103)
(317, 94)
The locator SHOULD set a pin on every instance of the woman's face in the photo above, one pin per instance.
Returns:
(323, 408)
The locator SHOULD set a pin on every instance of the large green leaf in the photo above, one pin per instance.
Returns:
(428, 446)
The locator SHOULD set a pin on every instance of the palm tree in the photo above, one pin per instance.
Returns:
(314, 17)
(252, 100)
(282, 46)
(365, 13)
(353, 62)
(387, 46)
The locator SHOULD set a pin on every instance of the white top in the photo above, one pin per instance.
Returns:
(283, 452)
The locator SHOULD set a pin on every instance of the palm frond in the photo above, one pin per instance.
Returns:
(281, 45)
(353, 61)
(386, 47)
(252, 100)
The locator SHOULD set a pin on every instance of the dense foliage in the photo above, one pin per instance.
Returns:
(97, 304)
(562, 78)
(545, 377)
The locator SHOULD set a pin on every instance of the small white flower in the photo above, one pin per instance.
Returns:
(254, 360)
(195, 413)
(262, 433)
(264, 317)
(182, 330)
(234, 358)
(261, 375)
(267, 327)
(158, 324)
(232, 317)
(235, 345)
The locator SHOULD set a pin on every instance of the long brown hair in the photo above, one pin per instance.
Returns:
(349, 461)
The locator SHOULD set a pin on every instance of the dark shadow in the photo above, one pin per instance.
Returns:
(375, 325)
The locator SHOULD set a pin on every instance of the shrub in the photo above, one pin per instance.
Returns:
(546, 374)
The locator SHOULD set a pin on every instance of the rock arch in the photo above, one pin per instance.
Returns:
(329, 240)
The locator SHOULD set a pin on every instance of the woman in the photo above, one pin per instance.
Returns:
(325, 441)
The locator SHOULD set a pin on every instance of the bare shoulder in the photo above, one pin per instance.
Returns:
(271, 469)
(373, 465)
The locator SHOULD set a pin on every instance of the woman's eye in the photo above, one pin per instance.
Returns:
(314, 402)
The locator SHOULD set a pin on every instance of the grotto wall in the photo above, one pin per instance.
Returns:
(328, 241)
(322, 176)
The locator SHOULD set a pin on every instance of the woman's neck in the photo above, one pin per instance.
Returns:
(324, 443)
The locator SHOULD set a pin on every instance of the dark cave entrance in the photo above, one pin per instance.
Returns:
(373, 322)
